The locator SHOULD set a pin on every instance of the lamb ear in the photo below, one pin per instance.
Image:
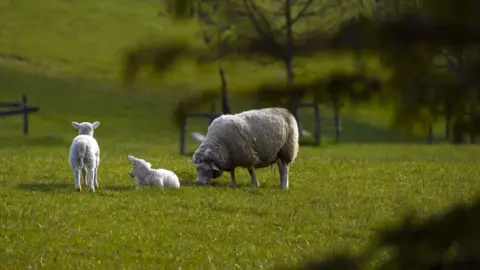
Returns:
(76, 125)
(132, 158)
(149, 165)
(214, 167)
(95, 124)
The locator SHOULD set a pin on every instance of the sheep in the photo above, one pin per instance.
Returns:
(85, 155)
(146, 176)
(251, 139)
(198, 137)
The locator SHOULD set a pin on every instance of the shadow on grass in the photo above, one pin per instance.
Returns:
(46, 187)
(118, 188)
(356, 131)
(22, 141)
(187, 179)
(227, 185)
(366, 133)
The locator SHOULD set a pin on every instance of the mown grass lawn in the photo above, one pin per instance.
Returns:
(338, 196)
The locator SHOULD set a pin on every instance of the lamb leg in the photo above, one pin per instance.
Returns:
(96, 177)
(84, 176)
(76, 176)
(232, 179)
(91, 177)
(253, 178)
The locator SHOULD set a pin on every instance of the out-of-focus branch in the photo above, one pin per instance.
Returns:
(305, 12)
(264, 19)
(251, 14)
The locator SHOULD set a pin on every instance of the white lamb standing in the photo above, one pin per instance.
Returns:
(146, 176)
(251, 139)
(85, 155)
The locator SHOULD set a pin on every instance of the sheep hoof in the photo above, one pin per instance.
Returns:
(91, 189)
(78, 189)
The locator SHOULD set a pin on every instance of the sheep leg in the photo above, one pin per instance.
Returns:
(91, 176)
(253, 178)
(232, 179)
(76, 176)
(283, 171)
(96, 177)
(84, 176)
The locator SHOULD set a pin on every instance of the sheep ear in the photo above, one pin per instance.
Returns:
(192, 161)
(76, 125)
(95, 124)
(208, 153)
(149, 165)
(132, 158)
(214, 167)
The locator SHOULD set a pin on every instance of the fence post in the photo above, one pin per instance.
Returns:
(447, 124)
(336, 119)
(25, 114)
(213, 109)
(183, 127)
(317, 128)
(430, 134)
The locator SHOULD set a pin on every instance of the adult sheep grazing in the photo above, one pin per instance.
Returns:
(85, 155)
(251, 139)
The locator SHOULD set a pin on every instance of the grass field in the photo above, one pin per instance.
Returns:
(339, 193)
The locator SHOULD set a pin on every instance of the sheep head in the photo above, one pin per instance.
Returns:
(86, 128)
(206, 169)
(139, 166)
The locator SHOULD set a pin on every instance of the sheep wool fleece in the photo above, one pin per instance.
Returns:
(251, 139)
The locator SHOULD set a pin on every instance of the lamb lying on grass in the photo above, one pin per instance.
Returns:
(251, 139)
(146, 176)
(85, 155)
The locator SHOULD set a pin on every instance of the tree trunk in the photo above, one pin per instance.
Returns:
(458, 130)
(225, 106)
(295, 99)
(448, 120)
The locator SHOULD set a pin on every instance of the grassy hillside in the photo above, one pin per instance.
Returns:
(83, 42)
(65, 55)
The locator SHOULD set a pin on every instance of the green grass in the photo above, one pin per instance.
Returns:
(336, 200)
(339, 194)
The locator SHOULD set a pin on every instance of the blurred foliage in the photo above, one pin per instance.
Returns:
(450, 240)
(410, 36)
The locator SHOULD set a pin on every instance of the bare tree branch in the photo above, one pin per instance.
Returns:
(267, 23)
(203, 15)
(304, 12)
(252, 9)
